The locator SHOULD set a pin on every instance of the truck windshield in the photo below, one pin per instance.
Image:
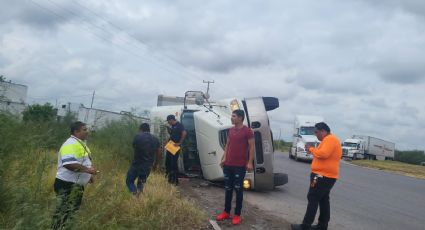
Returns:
(307, 130)
(349, 144)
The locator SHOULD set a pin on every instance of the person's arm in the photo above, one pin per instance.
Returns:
(80, 168)
(250, 164)
(325, 150)
(183, 136)
(223, 158)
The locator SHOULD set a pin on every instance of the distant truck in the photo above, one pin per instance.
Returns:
(367, 147)
(303, 133)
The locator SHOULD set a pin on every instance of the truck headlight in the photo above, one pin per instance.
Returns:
(246, 184)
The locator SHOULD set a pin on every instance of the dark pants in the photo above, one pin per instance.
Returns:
(318, 196)
(171, 167)
(141, 172)
(68, 201)
(233, 180)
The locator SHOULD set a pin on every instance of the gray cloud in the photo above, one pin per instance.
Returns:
(357, 63)
(40, 14)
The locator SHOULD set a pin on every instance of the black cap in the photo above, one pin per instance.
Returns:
(171, 117)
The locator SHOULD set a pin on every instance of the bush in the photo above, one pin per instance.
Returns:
(411, 157)
(39, 113)
(281, 145)
(28, 161)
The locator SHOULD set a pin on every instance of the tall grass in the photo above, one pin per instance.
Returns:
(28, 160)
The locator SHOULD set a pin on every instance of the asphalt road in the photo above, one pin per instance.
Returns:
(362, 199)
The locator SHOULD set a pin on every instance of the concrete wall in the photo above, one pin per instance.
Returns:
(13, 92)
(12, 108)
(96, 118)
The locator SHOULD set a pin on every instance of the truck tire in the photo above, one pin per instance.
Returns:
(280, 179)
(355, 156)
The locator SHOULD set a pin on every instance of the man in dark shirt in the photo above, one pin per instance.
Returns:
(177, 135)
(145, 147)
(238, 157)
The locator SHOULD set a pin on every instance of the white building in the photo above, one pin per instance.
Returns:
(13, 97)
(95, 118)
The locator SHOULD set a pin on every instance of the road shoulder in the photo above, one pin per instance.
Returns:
(210, 199)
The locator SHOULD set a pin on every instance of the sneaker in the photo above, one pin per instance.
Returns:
(223, 216)
(236, 220)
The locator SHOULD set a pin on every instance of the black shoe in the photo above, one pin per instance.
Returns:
(299, 227)
(319, 227)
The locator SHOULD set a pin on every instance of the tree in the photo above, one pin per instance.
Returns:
(39, 113)
(410, 156)
(2, 88)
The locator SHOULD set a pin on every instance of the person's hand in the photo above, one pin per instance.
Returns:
(249, 166)
(307, 147)
(177, 144)
(91, 170)
(222, 163)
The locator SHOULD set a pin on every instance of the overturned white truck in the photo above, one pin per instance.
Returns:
(207, 125)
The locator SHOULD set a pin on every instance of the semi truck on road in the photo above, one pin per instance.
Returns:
(303, 133)
(367, 147)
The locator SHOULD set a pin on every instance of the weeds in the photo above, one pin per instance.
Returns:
(28, 161)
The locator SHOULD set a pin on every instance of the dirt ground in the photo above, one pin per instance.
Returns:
(210, 198)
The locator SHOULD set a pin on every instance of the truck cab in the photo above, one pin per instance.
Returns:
(353, 149)
(207, 124)
(303, 133)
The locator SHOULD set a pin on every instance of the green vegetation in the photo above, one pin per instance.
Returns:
(39, 113)
(411, 157)
(394, 166)
(28, 160)
(281, 145)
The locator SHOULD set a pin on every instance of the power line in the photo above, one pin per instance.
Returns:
(98, 36)
(139, 40)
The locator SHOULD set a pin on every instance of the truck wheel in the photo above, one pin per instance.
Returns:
(296, 156)
(354, 156)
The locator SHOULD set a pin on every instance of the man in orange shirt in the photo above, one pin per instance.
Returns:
(324, 173)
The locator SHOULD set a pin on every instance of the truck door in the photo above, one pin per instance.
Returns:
(256, 113)
(189, 148)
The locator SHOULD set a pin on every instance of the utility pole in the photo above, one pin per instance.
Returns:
(208, 87)
(92, 99)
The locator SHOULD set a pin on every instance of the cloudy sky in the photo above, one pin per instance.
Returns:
(358, 63)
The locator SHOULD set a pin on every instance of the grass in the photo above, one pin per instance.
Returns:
(28, 161)
(394, 166)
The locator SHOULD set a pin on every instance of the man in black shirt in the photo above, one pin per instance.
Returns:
(145, 147)
(177, 135)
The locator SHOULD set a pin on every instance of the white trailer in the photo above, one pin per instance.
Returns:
(362, 146)
(207, 124)
(303, 133)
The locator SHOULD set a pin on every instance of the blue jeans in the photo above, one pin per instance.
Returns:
(141, 173)
(233, 180)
